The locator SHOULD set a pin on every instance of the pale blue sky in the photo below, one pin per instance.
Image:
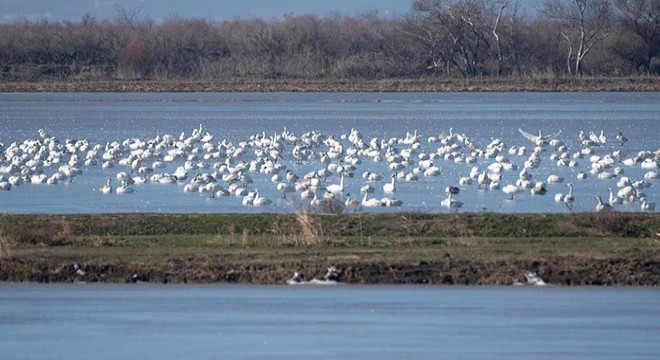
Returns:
(58, 10)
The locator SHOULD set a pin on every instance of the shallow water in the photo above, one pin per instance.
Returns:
(327, 322)
(102, 118)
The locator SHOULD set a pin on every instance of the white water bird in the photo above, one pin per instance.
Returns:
(373, 202)
(601, 206)
(390, 187)
(540, 139)
(107, 187)
(511, 189)
(450, 203)
(569, 199)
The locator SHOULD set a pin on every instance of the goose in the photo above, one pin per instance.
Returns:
(107, 187)
(390, 187)
(601, 206)
(452, 190)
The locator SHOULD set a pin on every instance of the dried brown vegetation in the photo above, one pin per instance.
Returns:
(582, 248)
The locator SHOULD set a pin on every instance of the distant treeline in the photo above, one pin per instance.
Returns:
(446, 38)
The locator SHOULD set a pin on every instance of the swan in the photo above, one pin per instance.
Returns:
(373, 202)
(540, 139)
(450, 203)
(569, 199)
(452, 190)
(367, 189)
(555, 179)
(260, 200)
(124, 188)
(511, 189)
(351, 203)
(337, 188)
(539, 188)
(285, 188)
(645, 205)
(613, 199)
(390, 187)
(107, 187)
(601, 206)
(391, 202)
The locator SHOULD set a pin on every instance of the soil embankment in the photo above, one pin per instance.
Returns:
(466, 249)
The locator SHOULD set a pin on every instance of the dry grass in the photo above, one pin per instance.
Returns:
(5, 247)
(311, 231)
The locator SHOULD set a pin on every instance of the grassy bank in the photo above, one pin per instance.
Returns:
(534, 83)
(611, 249)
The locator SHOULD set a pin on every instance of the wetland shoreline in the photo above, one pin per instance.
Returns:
(462, 249)
(424, 84)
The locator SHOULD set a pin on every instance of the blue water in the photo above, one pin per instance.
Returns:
(356, 322)
(105, 117)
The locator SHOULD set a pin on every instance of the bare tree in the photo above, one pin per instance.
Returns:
(642, 19)
(584, 23)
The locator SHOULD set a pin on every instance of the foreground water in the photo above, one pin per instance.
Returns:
(279, 322)
(130, 119)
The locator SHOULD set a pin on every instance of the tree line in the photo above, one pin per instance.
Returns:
(446, 38)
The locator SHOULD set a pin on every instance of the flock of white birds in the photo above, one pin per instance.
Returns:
(199, 162)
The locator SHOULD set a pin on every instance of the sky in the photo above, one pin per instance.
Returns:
(215, 10)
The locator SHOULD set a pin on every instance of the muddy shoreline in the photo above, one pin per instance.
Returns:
(631, 271)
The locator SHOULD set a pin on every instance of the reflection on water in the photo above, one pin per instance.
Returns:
(383, 119)
(254, 322)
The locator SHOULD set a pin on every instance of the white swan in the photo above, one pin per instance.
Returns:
(540, 139)
(601, 206)
(450, 203)
(613, 199)
(645, 205)
(107, 187)
(337, 188)
(260, 200)
(511, 189)
(373, 202)
(390, 187)
(569, 199)
(351, 203)
(124, 188)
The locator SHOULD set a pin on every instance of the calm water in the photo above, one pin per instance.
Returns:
(279, 322)
(104, 118)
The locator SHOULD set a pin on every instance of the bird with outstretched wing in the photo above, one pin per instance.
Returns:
(540, 138)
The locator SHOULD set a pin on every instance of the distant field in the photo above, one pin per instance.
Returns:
(571, 249)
